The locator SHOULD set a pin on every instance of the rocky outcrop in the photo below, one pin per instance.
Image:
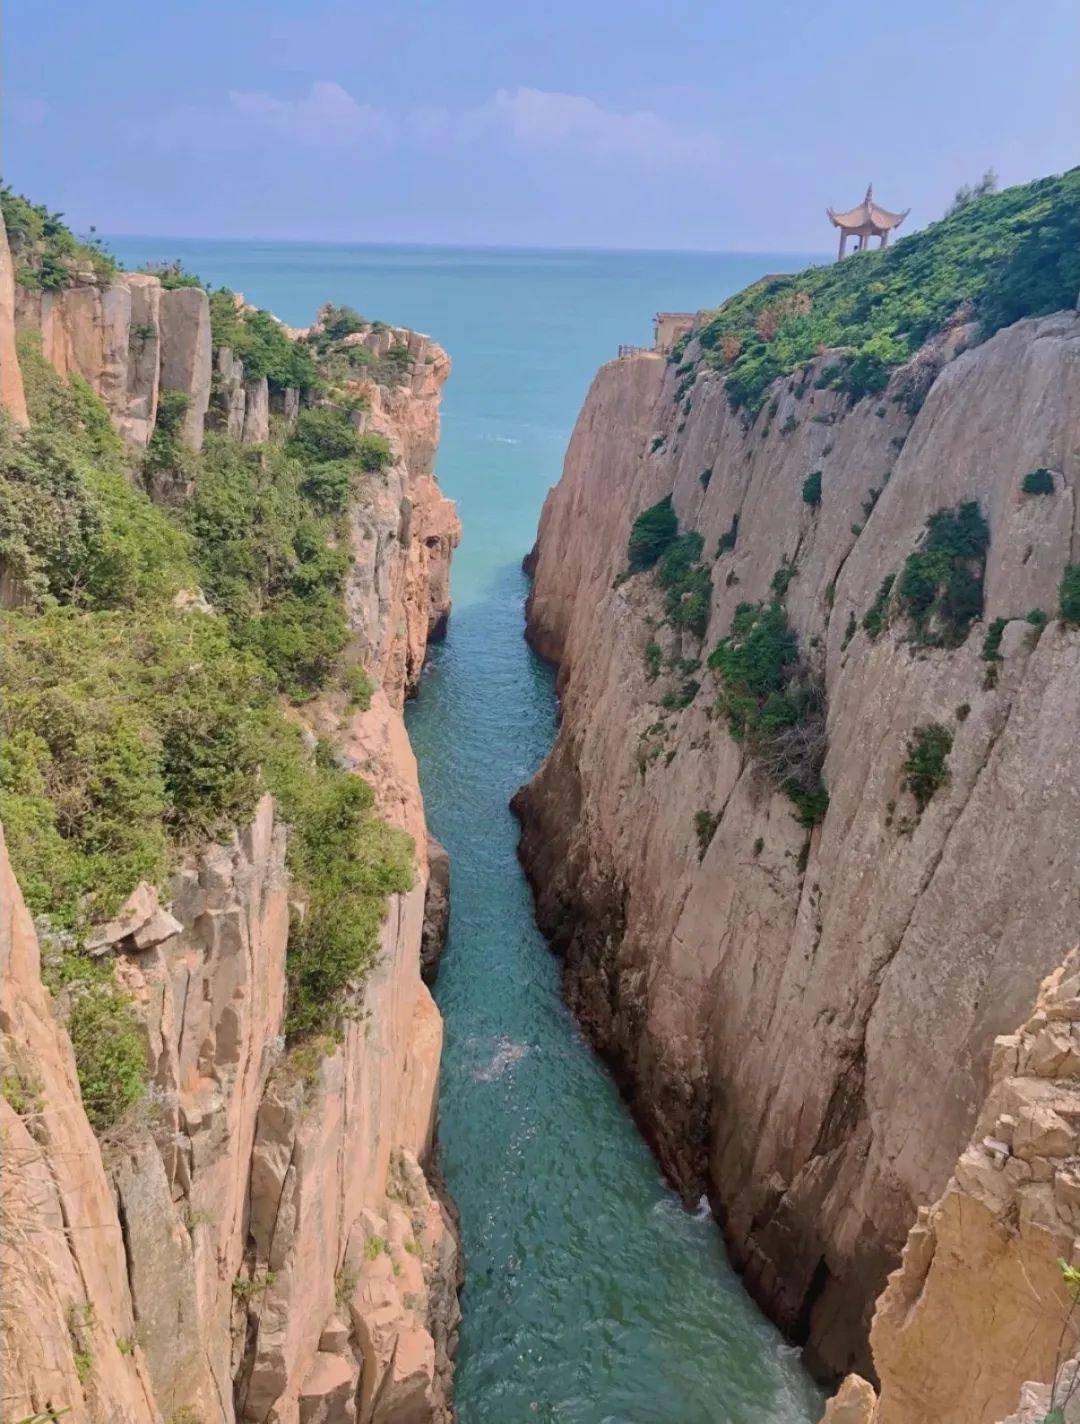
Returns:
(186, 356)
(136, 416)
(12, 395)
(436, 909)
(979, 1302)
(803, 1020)
(403, 531)
(256, 428)
(261, 1243)
(68, 1325)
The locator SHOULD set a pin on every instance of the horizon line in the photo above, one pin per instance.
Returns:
(108, 237)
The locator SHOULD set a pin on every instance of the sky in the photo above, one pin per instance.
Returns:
(710, 125)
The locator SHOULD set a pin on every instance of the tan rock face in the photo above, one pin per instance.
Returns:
(186, 356)
(805, 1022)
(12, 395)
(978, 1304)
(404, 532)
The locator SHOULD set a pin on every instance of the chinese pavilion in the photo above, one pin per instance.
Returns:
(868, 220)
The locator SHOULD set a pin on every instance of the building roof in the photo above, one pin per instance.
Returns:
(869, 217)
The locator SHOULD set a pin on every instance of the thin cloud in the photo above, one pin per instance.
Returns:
(541, 119)
(526, 120)
(327, 114)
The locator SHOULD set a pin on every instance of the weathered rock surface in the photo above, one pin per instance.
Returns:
(12, 395)
(186, 356)
(803, 1021)
(256, 430)
(436, 909)
(978, 1303)
(403, 531)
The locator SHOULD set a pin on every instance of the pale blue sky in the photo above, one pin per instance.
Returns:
(609, 123)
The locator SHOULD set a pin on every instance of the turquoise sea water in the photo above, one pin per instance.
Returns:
(591, 1296)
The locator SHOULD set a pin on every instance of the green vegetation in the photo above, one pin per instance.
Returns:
(941, 586)
(261, 343)
(131, 729)
(811, 488)
(877, 615)
(1069, 594)
(109, 1053)
(651, 535)
(774, 704)
(705, 824)
(654, 657)
(45, 253)
(727, 539)
(341, 363)
(992, 642)
(687, 583)
(926, 768)
(1039, 481)
(1003, 255)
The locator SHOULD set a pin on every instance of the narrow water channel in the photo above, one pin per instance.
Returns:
(591, 1297)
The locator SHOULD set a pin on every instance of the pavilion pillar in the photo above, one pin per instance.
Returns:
(843, 244)
(885, 238)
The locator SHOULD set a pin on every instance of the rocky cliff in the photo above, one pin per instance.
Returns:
(801, 1003)
(981, 1300)
(259, 1240)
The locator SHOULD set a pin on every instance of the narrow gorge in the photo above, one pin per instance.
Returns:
(301, 1121)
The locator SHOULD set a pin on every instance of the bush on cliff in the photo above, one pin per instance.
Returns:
(774, 704)
(651, 534)
(941, 585)
(1004, 256)
(45, 252)
(261, 343)
(1069, 594)
(926, 767)
(687, 585)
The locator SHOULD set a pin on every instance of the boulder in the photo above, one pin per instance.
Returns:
(141, 918)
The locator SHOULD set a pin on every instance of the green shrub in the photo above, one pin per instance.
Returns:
(110, 1057)
(1069, 594)
(781, 579)
(728, 538)
(261, 343)
(1009, 255)
(941, 586)
(926, 768)
(654, 656)
(705, 824)
(323, 433)
(877, 615)
(687, 583)
(811, 488)
(375, 452)
(773, 704)
(45, 252)
(992, 642)
(1039, 481)
(652, 533)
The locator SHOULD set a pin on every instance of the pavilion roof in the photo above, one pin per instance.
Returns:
(869, 216)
